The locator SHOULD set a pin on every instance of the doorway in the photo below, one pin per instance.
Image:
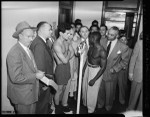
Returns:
(65, 12)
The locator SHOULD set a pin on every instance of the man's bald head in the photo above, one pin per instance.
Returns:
(44, 29)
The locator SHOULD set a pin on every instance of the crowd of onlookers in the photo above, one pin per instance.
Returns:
(108, 61)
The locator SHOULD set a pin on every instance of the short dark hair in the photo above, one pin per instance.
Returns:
(103, 25)
(63, 27)
(94, 26)
(94, 37)
(77, 21)
(72, 24)
(39, 25)
(78, 24)
(95, 22)
(122, 33)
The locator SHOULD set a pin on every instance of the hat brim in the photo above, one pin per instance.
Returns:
(16, 34)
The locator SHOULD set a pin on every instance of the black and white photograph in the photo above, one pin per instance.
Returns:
(72, 57)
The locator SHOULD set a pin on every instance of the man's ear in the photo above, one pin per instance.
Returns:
(60, 33)
(20, 36)
(117, 36)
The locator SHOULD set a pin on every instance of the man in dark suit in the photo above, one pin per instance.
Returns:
(22, 73)
(117, 59)
(44, 60)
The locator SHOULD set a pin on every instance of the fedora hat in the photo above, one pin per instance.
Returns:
(20, 27)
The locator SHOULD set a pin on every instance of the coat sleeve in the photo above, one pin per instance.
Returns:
(124, 59)
(134, 57)
(39, 55)
(14, 69)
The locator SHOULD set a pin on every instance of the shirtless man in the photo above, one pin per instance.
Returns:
(62, 56)
(72, 82)
(93, 70)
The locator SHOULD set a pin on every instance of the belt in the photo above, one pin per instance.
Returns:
(93, 66)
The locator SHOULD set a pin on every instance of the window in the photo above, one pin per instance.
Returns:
(115, 19)
(124, 4)
(134, 24)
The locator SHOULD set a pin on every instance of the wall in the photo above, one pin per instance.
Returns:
(13, 13)
(88, 11)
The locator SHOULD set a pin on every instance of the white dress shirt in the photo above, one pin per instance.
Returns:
(42, 38)
(113, 43)
(51, 39)
(87, 42)
(25, 48)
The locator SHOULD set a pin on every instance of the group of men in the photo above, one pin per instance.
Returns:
(32, 58)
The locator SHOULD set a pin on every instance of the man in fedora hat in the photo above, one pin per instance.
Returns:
(22, 73)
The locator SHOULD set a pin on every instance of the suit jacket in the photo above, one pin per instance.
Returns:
(50, 43)
(22, 85)
(43, 55)
(135, 66)
(117, 60)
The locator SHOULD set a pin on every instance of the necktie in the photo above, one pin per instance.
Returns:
(49, 47)
(32, 59)
(52, 40)
(108, 47)
(87, 43)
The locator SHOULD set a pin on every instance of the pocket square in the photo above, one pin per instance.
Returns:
(119, 52)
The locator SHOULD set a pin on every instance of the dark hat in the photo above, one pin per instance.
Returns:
(20, 27)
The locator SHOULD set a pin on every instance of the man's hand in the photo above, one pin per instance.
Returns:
(39, 74)
(112, 70)
(92, 82)
(81, 48)
(49, 76)
(130, 76)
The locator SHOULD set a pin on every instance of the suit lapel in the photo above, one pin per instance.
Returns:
(26, 58)
(46, 46)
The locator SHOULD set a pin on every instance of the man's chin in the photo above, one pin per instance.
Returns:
(30, 44)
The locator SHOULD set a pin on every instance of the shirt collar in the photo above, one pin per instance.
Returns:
(114, 41)
(42, 38)
(82, 39)
(23, 46)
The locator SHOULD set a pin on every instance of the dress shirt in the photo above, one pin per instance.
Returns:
(113, 43)
(42, 38)
(51, 39)
(25, 48)
(87, 41)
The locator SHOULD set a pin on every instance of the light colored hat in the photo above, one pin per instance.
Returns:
(20, 27)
